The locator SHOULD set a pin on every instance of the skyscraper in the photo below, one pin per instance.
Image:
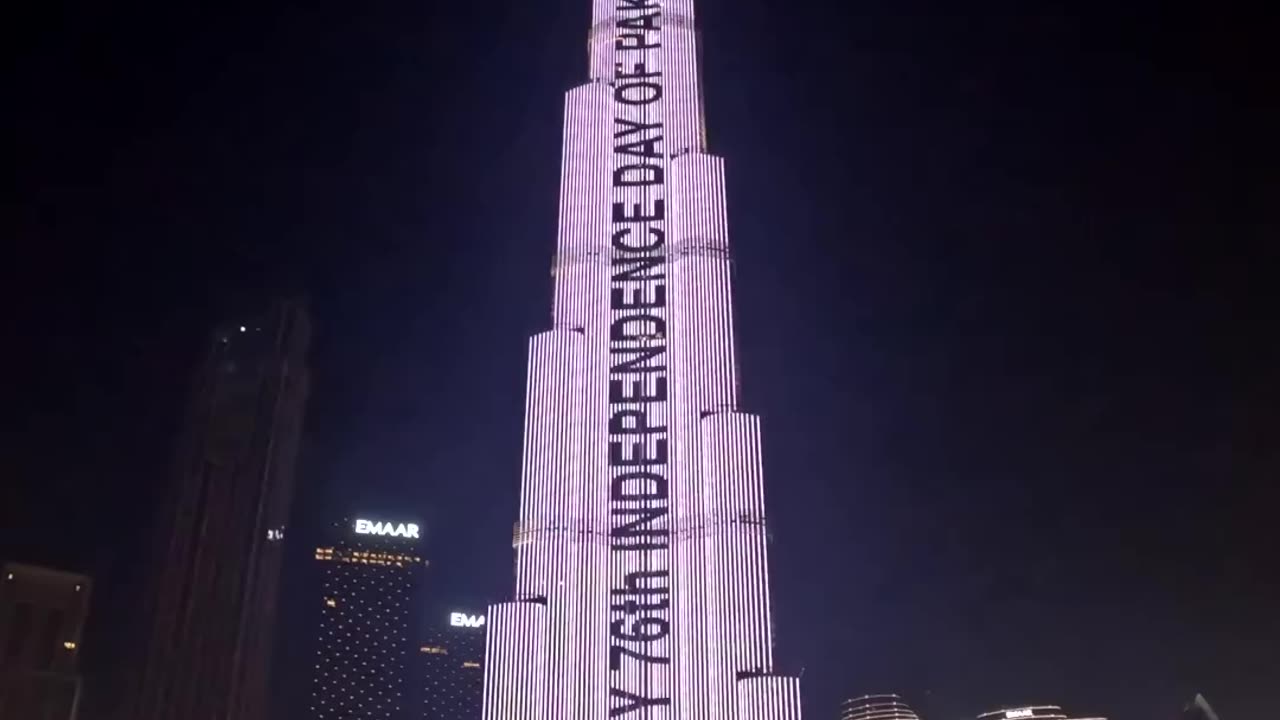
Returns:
(876, 707)
(373, 574)
(213, 603)
(42, 614)
(641, 546)
(452, 665)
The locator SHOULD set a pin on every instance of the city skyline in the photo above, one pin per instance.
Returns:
(642, 534)
(1002, 276)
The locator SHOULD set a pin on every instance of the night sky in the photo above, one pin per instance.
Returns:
(1005, 299)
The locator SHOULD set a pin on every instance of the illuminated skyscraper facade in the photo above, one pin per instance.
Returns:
(213, 602)
(876, 707)
(641, 545)
(451, 663)
(373, 573)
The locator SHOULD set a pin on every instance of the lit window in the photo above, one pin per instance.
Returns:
(331, 602)
(471, 664)
(69, 645)
(434, 650)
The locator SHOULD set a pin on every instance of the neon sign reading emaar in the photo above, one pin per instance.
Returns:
(458, 619)
(404, 530)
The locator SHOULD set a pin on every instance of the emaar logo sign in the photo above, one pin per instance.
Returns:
(404, 530)
(458, 619)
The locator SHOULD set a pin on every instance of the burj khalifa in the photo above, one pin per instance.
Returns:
(641, 546)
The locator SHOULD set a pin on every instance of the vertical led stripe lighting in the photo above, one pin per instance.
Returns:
(641, 547)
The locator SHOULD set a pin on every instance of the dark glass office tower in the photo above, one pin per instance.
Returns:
(451, 659)
(372, 577)
(42, 614)
(213, 602)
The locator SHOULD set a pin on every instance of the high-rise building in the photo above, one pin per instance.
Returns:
(876, 707)
(42, 614)
(452, 665)
(641, 544)
(373, 572)
(1031, 712)
(213, 604)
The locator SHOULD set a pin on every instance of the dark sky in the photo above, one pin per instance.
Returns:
(1005, 281)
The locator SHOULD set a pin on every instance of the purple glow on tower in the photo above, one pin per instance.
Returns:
(641, 548)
